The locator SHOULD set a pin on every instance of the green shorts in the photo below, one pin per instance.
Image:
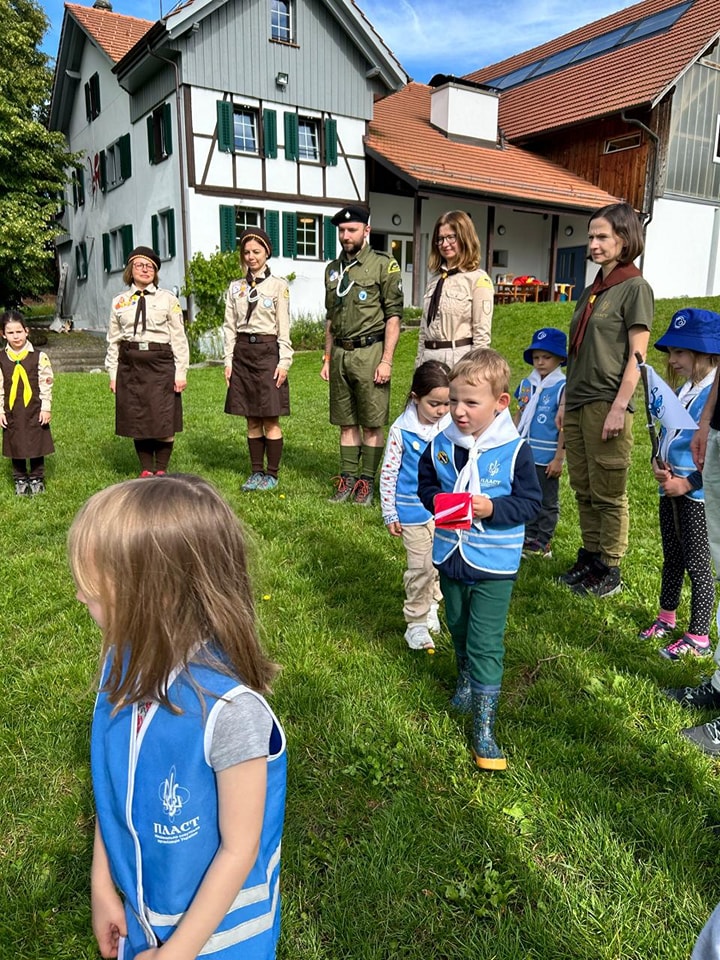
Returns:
(355, 399)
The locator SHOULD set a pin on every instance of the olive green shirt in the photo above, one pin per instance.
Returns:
(372, 285)
(597, 371)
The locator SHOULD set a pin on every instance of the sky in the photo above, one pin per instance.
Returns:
(427, 36)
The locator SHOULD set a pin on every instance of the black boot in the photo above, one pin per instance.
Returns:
(486, 753)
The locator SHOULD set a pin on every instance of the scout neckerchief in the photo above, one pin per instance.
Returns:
(253, 294)
(19, 376)
(140, 312)
(437, 293)
(502, 430)
(538, 384)
(619, 274)
(409, 420)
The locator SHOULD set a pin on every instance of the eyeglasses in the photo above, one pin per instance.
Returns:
(143, 265)
(448, 238)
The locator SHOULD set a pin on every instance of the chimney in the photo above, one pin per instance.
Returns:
(463, 110)
(102, 5)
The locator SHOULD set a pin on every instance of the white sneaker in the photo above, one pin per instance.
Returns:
(417, 637)
(433, 621)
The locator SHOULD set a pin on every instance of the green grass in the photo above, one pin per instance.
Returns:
(599, 843)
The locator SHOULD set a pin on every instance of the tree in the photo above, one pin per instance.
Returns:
(33, 160)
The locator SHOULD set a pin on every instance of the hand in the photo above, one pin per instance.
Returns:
(112, 387)
(560, 418)
(394, 528)
(676, 486)
(280, 375)
(3, 421)
(482, 507)
(698, 444)
(555, 467)
(108, 921)
(44, 417)
(383, 372)
(325, 371)
(180, 385)
(228, 374)
(614, 424)
(661, 473)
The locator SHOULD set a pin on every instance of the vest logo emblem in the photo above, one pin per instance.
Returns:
(173, 798)
(494, 468)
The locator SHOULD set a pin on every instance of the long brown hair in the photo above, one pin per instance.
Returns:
(165, 558)
(468, 245)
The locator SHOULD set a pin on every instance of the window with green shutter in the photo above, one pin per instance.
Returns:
(78, 187)
(125, 157)
(329, 239)
(227, 228)
(225, 133)
(289, 234)
(103, 171)
(272, 229)
(107, 256)
(126, 237)
(291, 136)
(159, 133)
(81, 262)
(270, 144)
(162, 226)
(331, 153)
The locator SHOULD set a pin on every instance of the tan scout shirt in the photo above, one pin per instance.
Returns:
(271, 316)
(466, 309)
(164, 325)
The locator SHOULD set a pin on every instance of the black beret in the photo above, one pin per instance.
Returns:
(147, 253)
(351, 214)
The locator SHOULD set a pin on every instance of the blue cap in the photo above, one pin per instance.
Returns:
(691, 329)
(549, 339)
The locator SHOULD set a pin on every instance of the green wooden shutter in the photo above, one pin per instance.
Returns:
(79, 261)
(81, 185)
(107, 262)
(272, 228)
(329, 239)
(103, 171)
(289, 232)
(88, 103)
(151, 139)
(155, 232)
(291, 136)
(170, 225)
(95, 94)
(167, 128)
(126, 237)
(228, 239)
(331, 154)
(270, 134)
(125, 157)
(225, 130)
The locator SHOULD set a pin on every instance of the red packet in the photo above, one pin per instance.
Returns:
(453, 511)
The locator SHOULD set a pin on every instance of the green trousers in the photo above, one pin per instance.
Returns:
(476, 614)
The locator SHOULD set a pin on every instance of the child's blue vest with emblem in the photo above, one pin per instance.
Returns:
(677, 453)
(543, 435)
(157, 807)
(495, 549)
(407, 502)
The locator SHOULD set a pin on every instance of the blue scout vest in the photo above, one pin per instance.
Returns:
(496, 549)
(678, 454)
(543, 435)
(156, 801)
(409, 509)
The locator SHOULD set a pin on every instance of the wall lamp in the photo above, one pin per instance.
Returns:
(282, 79)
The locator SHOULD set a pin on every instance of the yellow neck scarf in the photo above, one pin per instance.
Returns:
(19, 376)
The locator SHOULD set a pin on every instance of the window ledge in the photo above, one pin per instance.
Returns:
(284, 43)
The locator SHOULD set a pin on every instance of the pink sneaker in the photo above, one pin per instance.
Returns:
(684, 646)
(657, 631)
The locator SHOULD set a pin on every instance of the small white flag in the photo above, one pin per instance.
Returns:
(664, 404)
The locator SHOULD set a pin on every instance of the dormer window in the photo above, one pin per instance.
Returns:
(281, 20)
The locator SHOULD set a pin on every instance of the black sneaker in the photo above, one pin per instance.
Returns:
(345, 485)
(602, 581)
(706, 736)
(580, 569)
(363, 492)
(22, 487)
(36, 485)
(704, 696)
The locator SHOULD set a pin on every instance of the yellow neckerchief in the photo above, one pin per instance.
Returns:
(19, 375)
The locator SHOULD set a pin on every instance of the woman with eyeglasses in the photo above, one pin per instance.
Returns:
(458, 309)
(147, 359)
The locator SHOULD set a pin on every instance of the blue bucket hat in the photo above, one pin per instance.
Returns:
(549, 339)
(691, 329)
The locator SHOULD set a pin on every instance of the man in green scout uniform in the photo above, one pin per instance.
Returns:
(364, 302)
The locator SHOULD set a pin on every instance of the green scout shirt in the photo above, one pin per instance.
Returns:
(374, 286)
(597, 371)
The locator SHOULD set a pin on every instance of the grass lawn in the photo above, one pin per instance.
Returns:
(600, 842)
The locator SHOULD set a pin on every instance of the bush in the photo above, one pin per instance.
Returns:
(307, 332)
(206, 280)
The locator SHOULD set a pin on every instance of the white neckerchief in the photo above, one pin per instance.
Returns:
(686, 394)
(538, 384)
(501, 430)
(409, 420)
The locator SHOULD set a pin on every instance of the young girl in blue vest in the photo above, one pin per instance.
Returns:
(425, 415)
(692, 344)
(539, 397)
(188, 760)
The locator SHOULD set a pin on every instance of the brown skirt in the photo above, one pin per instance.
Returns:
(253, 391)
(146, 405)
(25, 436)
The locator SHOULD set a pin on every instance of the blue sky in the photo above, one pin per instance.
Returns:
(428, 36)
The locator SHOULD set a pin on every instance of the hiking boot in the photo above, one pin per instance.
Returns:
(461, 700)
(418, 637)
(267, 482)
(22, 487)
(345, 485)
(253, 481)
(363, 491)
(580, 569)
(657, 631)
(433, 620)
(601, 581)
(704, 696)
(486, 753)
(37, 485)
(684, 646)
(706, 736)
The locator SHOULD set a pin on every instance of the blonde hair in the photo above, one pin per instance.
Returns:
(703, 363)
(165, 558)
(468, 245)
(483, 365)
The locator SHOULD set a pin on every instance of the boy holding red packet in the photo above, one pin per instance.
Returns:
(481, 456)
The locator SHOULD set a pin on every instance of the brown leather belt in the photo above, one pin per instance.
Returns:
(355, 343)
(447, 344)
(257, 337)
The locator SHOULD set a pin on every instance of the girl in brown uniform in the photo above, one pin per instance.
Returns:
(147, 359)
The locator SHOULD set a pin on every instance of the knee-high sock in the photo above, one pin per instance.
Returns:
(274, 453)
(371, 460)
(145, 450)
(163, 450)
(256, 446)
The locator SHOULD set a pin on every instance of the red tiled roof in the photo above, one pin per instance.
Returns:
(114, 32)
(620, 79)
(400, 134)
